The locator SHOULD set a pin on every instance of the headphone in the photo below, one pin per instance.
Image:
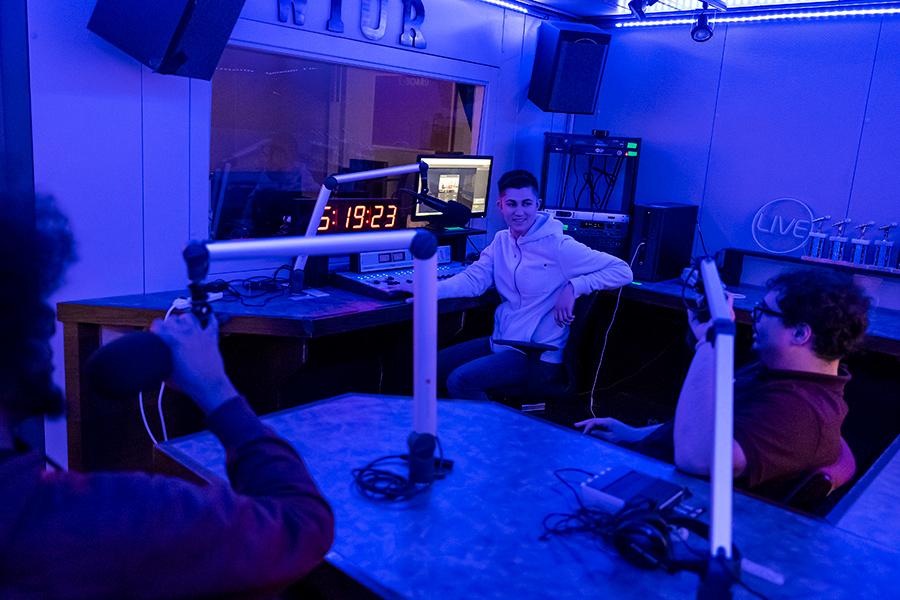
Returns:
(645, 538)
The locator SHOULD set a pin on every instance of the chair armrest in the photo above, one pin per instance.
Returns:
(529, 348)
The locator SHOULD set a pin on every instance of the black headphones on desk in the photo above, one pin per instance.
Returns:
(646, 538)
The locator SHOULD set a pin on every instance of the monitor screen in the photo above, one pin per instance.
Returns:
(456, 178)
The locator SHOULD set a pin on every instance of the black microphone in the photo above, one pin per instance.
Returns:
(454, 213)
(133, 362)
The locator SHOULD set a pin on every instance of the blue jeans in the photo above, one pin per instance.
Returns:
(470, 369)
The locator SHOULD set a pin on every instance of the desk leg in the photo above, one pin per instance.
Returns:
(79, 342)
(104, 434)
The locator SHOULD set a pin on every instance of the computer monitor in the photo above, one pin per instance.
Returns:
(456, 178)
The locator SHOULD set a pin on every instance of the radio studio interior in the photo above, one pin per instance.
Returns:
(449, 298)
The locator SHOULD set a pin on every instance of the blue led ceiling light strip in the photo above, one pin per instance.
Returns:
(682, 6)
(779, 16)
(509, 5)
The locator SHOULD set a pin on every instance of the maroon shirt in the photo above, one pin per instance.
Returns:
(133, 535)
(787, 422)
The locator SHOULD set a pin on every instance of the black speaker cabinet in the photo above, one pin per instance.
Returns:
(568, 65)
(666, 230)
(180, 37)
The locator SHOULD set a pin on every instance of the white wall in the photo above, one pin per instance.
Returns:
(805, 110)
(126, 151)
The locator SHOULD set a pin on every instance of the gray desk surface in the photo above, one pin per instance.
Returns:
(475, 534)
(872, 508)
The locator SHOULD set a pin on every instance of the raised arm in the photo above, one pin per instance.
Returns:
(136, 535)
(695, 412)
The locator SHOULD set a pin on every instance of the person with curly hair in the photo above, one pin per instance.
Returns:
(788, 406)
(134, 535)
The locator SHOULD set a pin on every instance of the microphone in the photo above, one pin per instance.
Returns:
(133, 362)
(454, 213)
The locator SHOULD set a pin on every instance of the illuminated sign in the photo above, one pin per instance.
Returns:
(782, 225)
(373, 18)
(347, 216)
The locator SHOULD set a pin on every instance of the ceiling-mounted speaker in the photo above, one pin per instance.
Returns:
(178, 37)
(568, 66)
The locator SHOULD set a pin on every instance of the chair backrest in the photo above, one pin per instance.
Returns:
(578, 353)
(819, 483)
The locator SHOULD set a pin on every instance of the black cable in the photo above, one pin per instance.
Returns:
(570, 160)
(383, 485)
(604, 524)
(557, 472)
(268, 288)
(611, 181)
(585, 178)
(265, 301)
(585, 519)
(561, 183)
(684, 286)
(287, 268)
(591, 182)
(474, 247)
(577, 179)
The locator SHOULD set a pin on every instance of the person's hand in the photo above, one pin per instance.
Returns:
(699, 329)
(198, 368)
(612, 430)
(564, 310)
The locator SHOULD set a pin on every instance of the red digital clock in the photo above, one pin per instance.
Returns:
(348, 215)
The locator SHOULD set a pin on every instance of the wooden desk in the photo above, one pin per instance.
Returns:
(101, 436)
(476, 533)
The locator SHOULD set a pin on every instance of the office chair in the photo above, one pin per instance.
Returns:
(535, 396)
(809, 493)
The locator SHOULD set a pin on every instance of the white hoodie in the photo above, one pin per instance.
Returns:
(529, 273)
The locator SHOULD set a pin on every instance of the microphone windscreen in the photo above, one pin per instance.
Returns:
(457, 213)
(129, 364)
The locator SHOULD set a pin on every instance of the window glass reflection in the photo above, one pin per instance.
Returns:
(281, 124)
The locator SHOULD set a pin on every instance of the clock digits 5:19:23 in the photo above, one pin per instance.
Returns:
(358, 215)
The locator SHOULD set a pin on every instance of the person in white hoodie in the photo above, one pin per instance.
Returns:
(538, 272)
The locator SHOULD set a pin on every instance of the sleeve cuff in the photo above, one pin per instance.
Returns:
(580, 286)
(235, 423)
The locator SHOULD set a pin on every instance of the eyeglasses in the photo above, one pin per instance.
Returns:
(761, 309)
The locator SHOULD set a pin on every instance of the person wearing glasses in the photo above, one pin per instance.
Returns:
(788, 406)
